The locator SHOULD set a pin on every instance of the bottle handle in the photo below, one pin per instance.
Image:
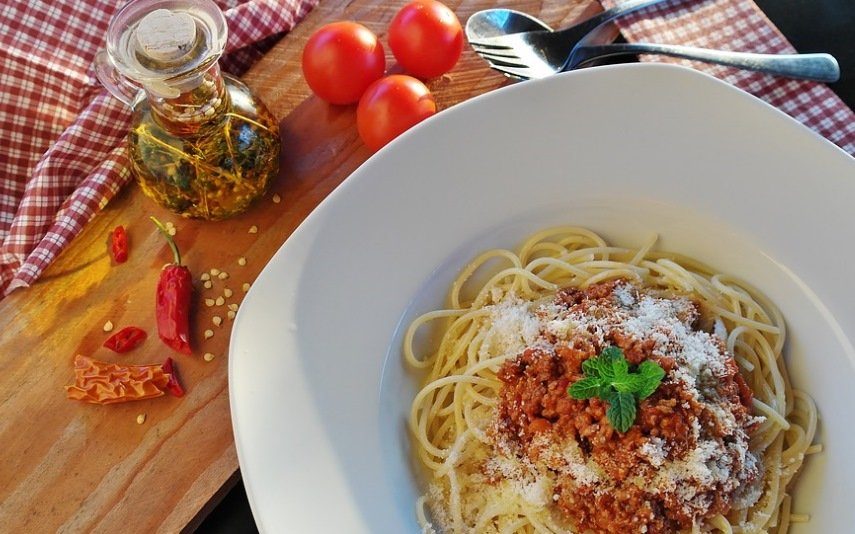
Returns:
(119, 86)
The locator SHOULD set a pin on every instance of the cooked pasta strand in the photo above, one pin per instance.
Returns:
(450, 416)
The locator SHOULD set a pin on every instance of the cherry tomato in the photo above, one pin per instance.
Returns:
(340, 60)
(391, 106)
(426, 38)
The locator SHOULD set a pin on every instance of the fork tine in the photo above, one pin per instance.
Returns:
(490, 43)
(524, 73)
(504, 62)
(500, 54)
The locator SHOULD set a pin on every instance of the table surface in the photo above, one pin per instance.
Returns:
(71, 466)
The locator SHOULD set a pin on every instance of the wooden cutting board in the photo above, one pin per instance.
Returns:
(73, 467)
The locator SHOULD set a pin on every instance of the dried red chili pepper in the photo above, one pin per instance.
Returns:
(174, 385)
(172, 303)
(107, 383)
(119, 244)
(126, 339)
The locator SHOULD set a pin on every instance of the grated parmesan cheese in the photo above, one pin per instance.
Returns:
(624, 295)
(655, 450)
(560, 328)
(513, 327)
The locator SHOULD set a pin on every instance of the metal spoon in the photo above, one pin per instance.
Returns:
(493, 22)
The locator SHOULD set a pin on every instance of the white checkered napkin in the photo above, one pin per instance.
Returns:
(741, 26)
(62, 150)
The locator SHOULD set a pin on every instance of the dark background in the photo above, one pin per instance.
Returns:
(810, 25)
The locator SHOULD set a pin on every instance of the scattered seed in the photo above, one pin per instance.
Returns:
(241, 261)
(227, 292)
(141, 419)
(245, 287)
(208, 284)
(230, 314)
(215, 272)
(220, 301)
(108, 326)
(277, 199)
(208, 357)
(223, 275)
(233, 306)
(205, 276)
(209, 302)
(217, 320)
(171, 230)
(209, 334)
(253, 229)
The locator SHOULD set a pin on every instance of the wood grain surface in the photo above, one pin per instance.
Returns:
(73, 467)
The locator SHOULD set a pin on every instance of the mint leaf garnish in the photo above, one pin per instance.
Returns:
(652, 375)
(620, 367)
(627, 383)
(591, 367)
(621, 412)
(608, 377)
(586, 388)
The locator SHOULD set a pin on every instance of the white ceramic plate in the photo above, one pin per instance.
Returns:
(319, 394)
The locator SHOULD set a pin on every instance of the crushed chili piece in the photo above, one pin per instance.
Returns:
(173, 385)
(100, 382)
(119, 244)
(126, 339)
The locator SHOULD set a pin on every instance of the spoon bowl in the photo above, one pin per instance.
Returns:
(495, 22)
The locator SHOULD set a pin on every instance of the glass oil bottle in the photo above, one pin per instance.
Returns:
(201, 144)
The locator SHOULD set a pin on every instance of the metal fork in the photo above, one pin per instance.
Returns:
(542, 49)
(526, 62)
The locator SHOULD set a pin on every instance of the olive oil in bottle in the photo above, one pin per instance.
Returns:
(200, 143)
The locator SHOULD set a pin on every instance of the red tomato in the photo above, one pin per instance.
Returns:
(340, 60)
(391, 106)
(426, 38)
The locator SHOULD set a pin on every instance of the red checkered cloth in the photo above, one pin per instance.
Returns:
(62, 137)
(740, 25)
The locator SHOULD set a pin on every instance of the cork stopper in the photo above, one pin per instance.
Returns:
(165, 35)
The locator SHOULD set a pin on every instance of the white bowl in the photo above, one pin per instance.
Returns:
(318, 389)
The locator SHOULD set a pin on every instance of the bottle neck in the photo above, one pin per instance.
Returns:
(201, 102)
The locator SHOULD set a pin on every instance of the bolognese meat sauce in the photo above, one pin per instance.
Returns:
(685, 458)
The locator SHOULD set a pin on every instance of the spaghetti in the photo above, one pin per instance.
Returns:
(497, 464)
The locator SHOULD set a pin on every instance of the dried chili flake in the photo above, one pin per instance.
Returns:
(126, 339)
(119, 244)
(100, 382)
(174, 384)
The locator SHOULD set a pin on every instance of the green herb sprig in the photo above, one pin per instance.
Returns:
(609, 377)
